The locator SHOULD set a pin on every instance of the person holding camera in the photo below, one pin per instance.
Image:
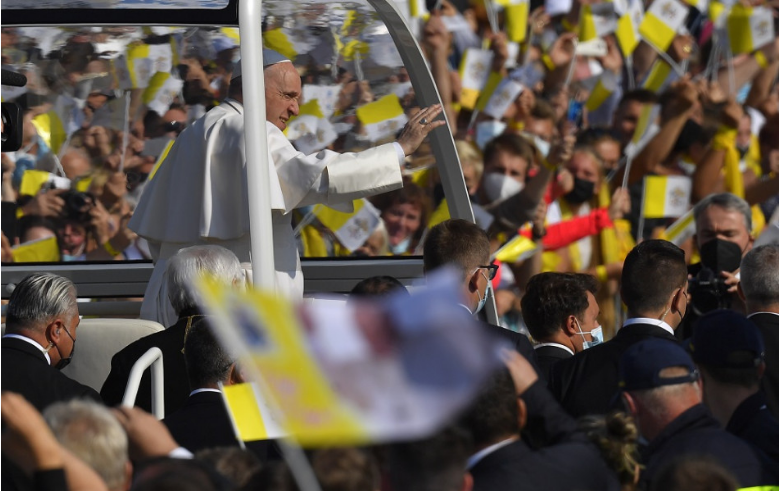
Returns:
(723, 237)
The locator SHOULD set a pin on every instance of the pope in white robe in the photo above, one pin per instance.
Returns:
(199, 193)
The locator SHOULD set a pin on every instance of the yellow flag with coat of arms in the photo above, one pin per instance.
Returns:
(383, 117)
(351, 229)
(750, 28)
(661, 22)
(628, 36)
(666, 196)
(474, 71)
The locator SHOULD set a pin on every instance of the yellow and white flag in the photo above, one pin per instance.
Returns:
(251, 417)
(596, 21)
(516, 14)
(135, 67)
(474, 71)
(278, 40)
(383, 117)
(325, 134)
(667, 196)
(33, 180)
(418, 9)
(43, 250)
(681, 230)
(646, 128)
(161, 91)
(628, 36)
(603, 88)
(660, 76)
(306, 122)
(661, 22)
(515, 250)
(65, 117)
(351, 229)
(502, 96)
(440, 214)
(750, 28)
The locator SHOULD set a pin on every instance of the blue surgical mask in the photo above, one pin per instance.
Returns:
(401, 248)
(483, 301)
(597, 334)
(486, 131)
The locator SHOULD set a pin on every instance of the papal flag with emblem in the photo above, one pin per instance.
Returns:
(596, 21)
(750, 28)
(666, 196)
(681, 230)
(474, 71)
(603, 88)
(383, 117)
(628, 36)
(351, 229)
(646, 128)
(161, 91)
(251, 417)
(503, 95)
(661, 22)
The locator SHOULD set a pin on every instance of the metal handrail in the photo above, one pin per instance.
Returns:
(152, 357)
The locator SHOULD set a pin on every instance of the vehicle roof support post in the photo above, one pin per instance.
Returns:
(441, 139)
(256, 146)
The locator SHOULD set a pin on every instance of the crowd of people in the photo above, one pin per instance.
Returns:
(639, 351)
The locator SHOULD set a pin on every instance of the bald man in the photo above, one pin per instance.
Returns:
(199, 194)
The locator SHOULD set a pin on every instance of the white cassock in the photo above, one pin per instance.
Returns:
(199, 196)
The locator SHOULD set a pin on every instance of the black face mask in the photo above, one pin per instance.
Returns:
(583, 191)
(721, 255)
(65, 361)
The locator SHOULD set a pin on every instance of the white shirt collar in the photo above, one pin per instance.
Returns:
(32, 342)
(473, 460)
(763, 312)
(650, 321)
(556, 345)
(204, 390)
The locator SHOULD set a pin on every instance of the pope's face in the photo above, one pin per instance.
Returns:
(283, 88)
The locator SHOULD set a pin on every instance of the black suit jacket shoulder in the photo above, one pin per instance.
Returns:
(175, 378)
(587, 383)
(516, 467)
(548, 356)
(518, 342)
(769, 325)
(26, 371)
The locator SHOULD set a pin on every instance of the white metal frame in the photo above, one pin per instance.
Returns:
(152, 357)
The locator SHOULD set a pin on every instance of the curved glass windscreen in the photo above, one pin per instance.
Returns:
(103, 105)
(114, 4)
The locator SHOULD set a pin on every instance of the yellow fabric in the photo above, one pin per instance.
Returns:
(753, 156)
(160, 160)
(32, 181)
(715, 10)
(657, 76)
(597, 96)
(587, 29)
(726, 140)
(738, 27)
(49, 126)
(627, 35)
(136, 52)
(758, 220)
(380, 110)
(241, 401)
(156, 83)
(518, 249)
(492, 83)
(761, 59)
(656, 32)
(277, 40)
(609, 246)
(516, 21)
(44, 250)
(313, 242)
(440, 214)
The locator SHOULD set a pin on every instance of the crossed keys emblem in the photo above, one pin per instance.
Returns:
(762, 27)
(477, 70)
(358, 228)
(389, 126)
(669, 11)
(678, 197)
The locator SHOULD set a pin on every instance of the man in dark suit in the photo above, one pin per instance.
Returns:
(183, 270)
(759, 289)
(561, 314)
(203, 421)
(40, 340)
(502, 461)
(662, 390)
(462, 244)
(654, 288)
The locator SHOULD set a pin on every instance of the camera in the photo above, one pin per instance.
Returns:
(708, 292)
(77, 205)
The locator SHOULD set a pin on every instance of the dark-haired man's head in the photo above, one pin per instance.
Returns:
(207, 361)
(694, 474)
(655, 282)
(346, 469)
(507, 159)
(435, 463)
(377, 286)
(542, 120)
(759, 285)
(497, 414)
(464, 246)
(561, 308)
(175, 474)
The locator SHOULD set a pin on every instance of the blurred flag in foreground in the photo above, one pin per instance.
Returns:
(359, 372)
(666, 196)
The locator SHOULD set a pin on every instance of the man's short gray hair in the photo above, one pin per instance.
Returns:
(39, 298)
(89, 431)
(727, 201)
(189, 263)
(759, 275)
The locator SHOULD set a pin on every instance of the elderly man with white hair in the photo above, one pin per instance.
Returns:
(199, 193)
(759, 288)
(183, 270)
(40, 340)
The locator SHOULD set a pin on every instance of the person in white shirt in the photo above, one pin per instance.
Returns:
(199, 193)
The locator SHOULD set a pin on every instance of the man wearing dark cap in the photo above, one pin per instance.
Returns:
(729, 352)
(662, 391)
(202, 184)
(654, 288)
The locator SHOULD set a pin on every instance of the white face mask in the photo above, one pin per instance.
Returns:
(499, 186)
(597, 334)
